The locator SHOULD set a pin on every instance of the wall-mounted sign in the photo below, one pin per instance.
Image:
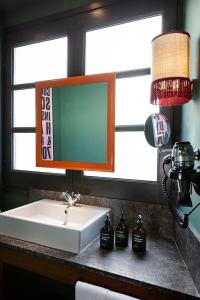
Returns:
(47, 124)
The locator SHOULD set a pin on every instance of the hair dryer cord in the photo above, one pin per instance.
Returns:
(182, 221)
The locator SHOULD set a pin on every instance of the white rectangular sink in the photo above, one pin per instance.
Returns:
(44, 222)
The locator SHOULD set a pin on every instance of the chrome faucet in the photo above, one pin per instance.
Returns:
(70, 199)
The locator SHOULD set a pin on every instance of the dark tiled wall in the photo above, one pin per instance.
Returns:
(1, 100)
(157, 218)
(189, 246)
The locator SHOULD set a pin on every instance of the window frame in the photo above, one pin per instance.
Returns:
(25, 36)
(75, 24)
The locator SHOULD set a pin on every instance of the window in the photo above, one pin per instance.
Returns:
(33, 62)
(111, 49)
(114, 36)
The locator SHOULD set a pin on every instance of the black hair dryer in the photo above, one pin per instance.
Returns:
(182, 170)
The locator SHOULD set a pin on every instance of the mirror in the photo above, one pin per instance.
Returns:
(75, 123)
(157, 130)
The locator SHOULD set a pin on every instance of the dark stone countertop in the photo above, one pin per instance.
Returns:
(161, 267)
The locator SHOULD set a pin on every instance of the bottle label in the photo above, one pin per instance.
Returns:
(105, 236)
(106, 240)
(138, 243)
(138, 239)
(120, 234)
(122, 238)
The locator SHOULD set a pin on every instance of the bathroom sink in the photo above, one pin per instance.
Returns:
(45, 222)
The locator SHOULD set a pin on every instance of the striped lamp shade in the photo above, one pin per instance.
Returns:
(171, 69)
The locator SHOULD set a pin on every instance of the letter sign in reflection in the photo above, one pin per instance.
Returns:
(47, 124)
(160, 129)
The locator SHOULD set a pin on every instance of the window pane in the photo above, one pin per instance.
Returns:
(121, 47)
(24, 154)
(40, 61)
(133, 100)
(24, 108)
(134, 158)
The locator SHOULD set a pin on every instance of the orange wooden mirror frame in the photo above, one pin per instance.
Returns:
(108, 165)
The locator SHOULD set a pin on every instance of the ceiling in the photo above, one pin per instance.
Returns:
(10, 5)
(13, 12)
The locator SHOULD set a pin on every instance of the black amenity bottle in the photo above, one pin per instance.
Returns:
(107, 235)
(121, 232)
(139, 236)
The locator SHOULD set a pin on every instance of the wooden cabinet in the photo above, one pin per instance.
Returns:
(23, 285)
(1, 282)
(68, 273)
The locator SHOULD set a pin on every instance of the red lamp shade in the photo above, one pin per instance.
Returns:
(170, 69)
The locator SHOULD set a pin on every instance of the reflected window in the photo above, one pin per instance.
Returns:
(111, 49)
(132, 100)
(121, 47)
(33, 62)
(40, 61)
(24, 154)
(24, 108)
(131, 150)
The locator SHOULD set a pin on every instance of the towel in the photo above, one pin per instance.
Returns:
(85, 291)
(117, 296)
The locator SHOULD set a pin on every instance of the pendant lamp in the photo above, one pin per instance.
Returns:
(171, 83)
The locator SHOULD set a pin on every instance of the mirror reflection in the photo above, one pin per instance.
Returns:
(157, 130)
(75, 129)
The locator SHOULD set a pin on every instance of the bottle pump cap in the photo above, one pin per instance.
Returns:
(139, 221)
(122, 219)
(107, 222)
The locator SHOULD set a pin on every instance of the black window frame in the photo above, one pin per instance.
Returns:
(75, 24)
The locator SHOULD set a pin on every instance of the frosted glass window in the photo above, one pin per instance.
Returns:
(134, 158)
(121, 47)
(40, 61)
(24, 154)
(24, 108)
(132, 100)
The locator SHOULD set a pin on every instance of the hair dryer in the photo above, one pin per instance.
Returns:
(182, 170)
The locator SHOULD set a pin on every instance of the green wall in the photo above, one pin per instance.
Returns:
(191, 111)
(0, 115)
(80, 123)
